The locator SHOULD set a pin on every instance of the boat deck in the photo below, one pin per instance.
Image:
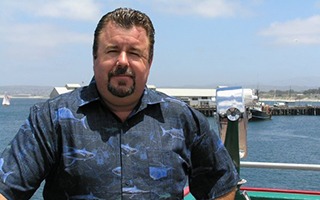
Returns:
(276, 194)
(272, 194)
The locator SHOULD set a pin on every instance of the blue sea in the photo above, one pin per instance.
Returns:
(285, 139)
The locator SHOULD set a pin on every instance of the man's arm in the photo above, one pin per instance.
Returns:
(229, 196)
(2, 197)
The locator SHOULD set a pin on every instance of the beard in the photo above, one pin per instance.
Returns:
(121, 89)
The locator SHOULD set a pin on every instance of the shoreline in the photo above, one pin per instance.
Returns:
(290, 100)
(25, 97)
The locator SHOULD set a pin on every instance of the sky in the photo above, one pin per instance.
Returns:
(199, 43)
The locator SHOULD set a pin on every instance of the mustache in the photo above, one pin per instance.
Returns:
(121, 71)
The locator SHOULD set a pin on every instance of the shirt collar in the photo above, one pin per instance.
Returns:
(89, 93)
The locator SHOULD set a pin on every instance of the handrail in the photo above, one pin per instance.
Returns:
(294, 166)
(269, 165)
(279, 190)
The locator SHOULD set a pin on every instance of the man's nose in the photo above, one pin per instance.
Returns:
(123, 59)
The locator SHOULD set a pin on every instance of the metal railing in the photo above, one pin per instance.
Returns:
(269, 165)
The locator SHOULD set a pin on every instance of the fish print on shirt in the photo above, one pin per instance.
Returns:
(3, 175)
(157, 173)
(101, 156)
(66, 114)
(77, 155)
(132, 191)
(173, 132)
(117, 171)
(127, 150)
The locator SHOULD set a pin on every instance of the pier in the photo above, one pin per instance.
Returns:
(283, 110)
(296, 110)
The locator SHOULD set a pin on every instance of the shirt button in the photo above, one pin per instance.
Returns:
(127, 183)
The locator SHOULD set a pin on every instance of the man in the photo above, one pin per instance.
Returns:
(115, 138)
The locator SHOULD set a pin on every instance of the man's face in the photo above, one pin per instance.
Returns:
(121, 67)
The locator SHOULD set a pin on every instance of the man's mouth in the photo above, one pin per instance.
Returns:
(121, 72)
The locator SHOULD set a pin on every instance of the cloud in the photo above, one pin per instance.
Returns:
(32, 41)
(298, 31)
(84, 10)
(204, 8)
(42, 35)
(70, 9)
(28, 30)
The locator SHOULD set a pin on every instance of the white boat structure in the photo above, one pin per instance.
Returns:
(6, 100)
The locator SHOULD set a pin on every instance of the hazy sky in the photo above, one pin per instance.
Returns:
(198, 42)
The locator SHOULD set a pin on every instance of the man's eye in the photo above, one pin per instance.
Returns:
(112, 51)
(135, 53)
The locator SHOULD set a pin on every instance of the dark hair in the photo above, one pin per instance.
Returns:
(126, 18)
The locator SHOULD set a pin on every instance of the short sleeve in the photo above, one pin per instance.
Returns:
(26, 160)
(213, 173)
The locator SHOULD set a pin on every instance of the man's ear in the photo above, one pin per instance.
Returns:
(94, 58)
(150, 63)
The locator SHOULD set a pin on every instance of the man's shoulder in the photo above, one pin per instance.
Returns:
(161, 97)
(174, 104)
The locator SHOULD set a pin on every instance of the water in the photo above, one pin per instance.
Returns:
(283, 139)
(11, 118)
(288, 139)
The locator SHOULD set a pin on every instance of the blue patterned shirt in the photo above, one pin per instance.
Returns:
(83, 151)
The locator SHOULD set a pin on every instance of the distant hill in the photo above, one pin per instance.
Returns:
(261, 87)
(296, 84)
(26, 91)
